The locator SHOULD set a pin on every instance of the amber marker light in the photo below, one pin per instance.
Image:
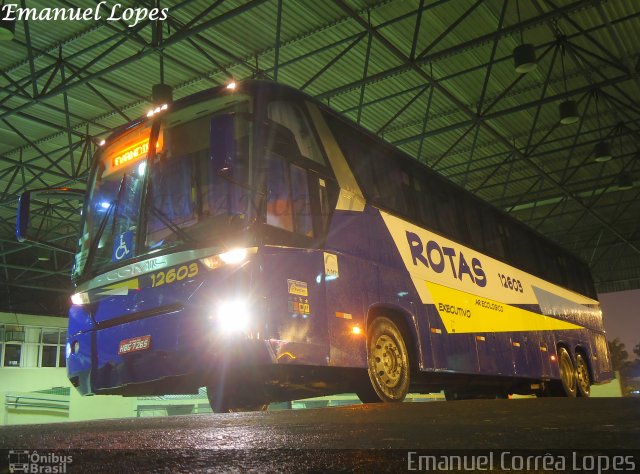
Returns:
(356, 330)
(157, 110)
(553, 358)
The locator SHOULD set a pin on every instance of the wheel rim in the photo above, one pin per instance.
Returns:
(567, 373)
(388, 362)
(583, 375)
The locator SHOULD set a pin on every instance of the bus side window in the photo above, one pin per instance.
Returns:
(424, 200)
(564, 271)
(492, 231)
(323, 200)
(290, 114)
(279, 209)
(528, 253)
(390, 180)
(356, 151)
(301, 203)
(447, 211)
(474, 225)
(553, 270)
(288, 201)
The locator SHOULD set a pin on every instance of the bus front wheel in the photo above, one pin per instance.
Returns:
(387, 364)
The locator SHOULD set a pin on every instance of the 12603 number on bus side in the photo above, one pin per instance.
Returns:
(174, 274)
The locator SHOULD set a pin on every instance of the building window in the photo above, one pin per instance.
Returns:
(12, 354)
(25, 346)
(49, 356)
(62, 359)
(49, 348)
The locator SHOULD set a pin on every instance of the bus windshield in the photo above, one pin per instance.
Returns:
(194, 192)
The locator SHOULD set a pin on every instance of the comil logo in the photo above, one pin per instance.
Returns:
(38, 463)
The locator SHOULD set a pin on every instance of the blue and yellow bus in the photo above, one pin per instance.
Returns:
(250, 240)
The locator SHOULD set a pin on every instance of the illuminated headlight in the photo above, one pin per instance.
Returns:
(80, 298)
(233, 316)
(72, 348)
(232, 257)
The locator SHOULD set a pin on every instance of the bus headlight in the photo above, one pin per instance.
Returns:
(234, 256)
(233, 316)
(80, 298)
(231, 257)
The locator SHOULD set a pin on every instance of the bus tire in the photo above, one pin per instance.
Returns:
(226, 401)
(387, 363)
(567, 373)
(452, 396)
(582, 376)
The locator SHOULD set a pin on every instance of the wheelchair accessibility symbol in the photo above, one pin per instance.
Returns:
(122, 246)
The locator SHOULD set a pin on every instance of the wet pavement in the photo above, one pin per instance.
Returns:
(359, 438)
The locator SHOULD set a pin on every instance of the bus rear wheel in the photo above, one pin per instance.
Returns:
(567, 373)
(387, 364)
(583, 378)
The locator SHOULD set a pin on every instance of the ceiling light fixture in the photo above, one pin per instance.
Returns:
(624, 181)
(524, 55)
(524, 58)
(7, 28)
(44, 255)
(568, 112)
(568, 109)
(602, 150)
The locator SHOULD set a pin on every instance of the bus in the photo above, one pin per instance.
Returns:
(250, 240)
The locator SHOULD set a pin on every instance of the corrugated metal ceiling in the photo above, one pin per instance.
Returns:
(504, 144)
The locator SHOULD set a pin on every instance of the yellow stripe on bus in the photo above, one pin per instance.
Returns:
(463, 312)
(132, 284)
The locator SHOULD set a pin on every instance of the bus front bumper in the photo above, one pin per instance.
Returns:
(176, 352)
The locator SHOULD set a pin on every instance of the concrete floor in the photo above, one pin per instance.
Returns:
(359, 438)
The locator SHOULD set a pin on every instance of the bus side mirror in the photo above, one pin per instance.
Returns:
(23, 217)
(223, 144)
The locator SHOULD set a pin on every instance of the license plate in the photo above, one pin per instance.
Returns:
(135, 344)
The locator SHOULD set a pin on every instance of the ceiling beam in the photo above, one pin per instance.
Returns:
(482, 123)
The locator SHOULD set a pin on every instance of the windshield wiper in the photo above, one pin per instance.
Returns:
(113, 205)
(171, 225)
